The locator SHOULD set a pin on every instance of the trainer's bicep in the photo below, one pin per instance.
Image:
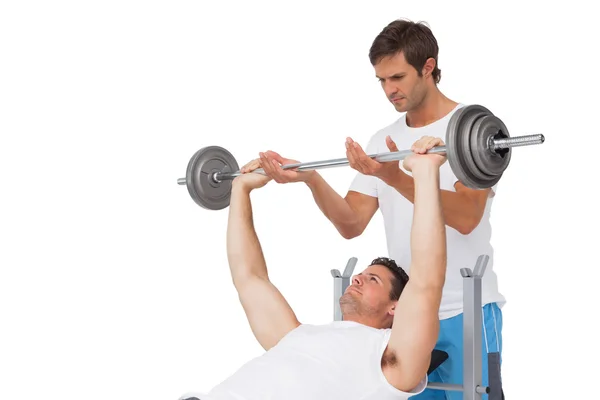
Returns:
(268, 312)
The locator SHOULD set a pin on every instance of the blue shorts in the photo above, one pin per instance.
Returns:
(451, 341)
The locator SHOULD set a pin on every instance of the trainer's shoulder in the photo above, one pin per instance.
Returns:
(457, 107)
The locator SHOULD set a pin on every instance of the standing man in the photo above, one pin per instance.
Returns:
(404, 56)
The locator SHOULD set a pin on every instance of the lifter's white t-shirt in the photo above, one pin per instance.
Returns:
(340, 360)
(397, 211)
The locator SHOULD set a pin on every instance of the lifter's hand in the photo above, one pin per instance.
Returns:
(420, 148)
(360, 161)
(251, 180)
(271, 163)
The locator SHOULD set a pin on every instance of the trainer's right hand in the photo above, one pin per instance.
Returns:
(271, 162)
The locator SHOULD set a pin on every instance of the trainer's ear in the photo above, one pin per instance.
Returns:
(428, 67)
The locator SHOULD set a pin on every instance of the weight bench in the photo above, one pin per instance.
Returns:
(471, 387)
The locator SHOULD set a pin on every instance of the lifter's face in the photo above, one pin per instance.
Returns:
(369, 294)
(401, 82)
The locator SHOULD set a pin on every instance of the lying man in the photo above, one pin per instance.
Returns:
(382, 347)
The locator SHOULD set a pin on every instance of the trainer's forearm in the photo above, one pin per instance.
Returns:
(459, 212)
(244, 251)
(332, 205)
(428, 236)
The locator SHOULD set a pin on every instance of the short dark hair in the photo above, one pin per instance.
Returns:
(400, 276)
(414, 39)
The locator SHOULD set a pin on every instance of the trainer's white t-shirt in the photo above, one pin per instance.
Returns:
(339, 360)
(397, 212)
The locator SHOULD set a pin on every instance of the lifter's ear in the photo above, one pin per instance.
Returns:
(392, 309)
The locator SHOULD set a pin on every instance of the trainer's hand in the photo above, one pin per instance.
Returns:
(271, 162)
(360, 161)
(420, 148)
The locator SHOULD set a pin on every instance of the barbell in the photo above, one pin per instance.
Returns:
(477, 145)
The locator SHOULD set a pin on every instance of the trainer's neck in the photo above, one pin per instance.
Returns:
(434, 107)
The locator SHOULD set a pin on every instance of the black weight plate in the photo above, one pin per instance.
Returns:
(202, 188)
(489, 161)
(459, 153)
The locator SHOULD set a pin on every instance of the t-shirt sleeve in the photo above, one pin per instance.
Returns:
(448, 179)
(366, 184)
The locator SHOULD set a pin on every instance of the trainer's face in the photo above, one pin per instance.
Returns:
(370, 290)
(400, 81)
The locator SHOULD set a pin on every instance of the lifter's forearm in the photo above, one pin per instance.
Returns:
(428, 236)
(244, 252)
(333, 206)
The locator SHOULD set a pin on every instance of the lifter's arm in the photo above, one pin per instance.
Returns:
(416, 322)
(268, 313)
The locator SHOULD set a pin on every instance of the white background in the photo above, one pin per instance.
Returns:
(114, 283)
